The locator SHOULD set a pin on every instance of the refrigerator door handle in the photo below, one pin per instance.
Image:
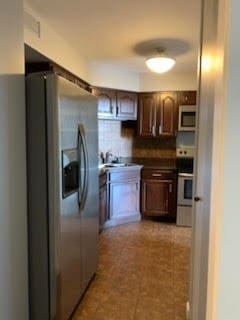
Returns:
(82, 144)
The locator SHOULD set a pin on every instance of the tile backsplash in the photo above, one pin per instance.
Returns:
(122, 141)
(185, 138)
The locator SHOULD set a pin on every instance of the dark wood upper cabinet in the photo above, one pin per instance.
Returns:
(157, 114)
(106, 103)
(147, 103)
(126, 105)
(187, 97)
(167, 114)
(115, 104)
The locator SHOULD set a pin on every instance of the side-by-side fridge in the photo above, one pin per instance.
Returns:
(62, 168)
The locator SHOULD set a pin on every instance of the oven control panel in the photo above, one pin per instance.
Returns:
(185, 152)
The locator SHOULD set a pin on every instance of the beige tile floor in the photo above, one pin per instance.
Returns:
(143, 274)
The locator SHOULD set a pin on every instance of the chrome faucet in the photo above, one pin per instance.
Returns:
(109, 155)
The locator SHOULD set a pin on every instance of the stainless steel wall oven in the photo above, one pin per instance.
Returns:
(185, 156)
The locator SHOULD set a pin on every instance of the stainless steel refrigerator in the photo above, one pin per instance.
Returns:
(62, 164)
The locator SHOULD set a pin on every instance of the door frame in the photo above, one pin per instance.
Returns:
(209, 159)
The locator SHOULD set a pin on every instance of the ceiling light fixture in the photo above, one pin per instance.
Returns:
(160, 62)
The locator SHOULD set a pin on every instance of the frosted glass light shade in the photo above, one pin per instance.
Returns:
(160, 64)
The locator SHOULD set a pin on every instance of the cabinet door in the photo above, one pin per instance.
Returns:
(167, 114)
(147, 115)
(129, 191)
(187, 97)
(106, 103)
(126, 105)
(158, 198)
(103, 205)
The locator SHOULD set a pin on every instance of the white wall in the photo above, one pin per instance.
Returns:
(53, 46)
(227, 271)
(13, 213)
(168, 81)
(220, 68)
(221, 95)
(103, 74)
(108, 75)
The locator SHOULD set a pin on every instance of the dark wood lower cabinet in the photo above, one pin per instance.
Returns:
(124, 195)
(119, 195)
(103, 200)
(124, 199)
(158, 193)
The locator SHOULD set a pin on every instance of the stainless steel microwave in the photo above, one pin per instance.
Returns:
(187, 118)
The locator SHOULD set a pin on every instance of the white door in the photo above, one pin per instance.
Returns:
(208, 159)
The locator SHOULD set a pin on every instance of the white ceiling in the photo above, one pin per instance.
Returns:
(126, 32)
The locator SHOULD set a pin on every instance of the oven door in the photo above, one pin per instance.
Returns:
(185, 189)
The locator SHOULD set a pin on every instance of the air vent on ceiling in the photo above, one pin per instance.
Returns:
(31, 23)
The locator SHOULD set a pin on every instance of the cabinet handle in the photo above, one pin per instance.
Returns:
(166, 203)
(156, 175)
(137, 186)
(170, 188)
(117, 109)
(160, 129)
(111, 109)
(153, 130)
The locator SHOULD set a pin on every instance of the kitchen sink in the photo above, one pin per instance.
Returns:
(115, 165)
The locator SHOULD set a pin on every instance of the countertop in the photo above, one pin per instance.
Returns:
(148, 163)
(117, 169)
(155, 163)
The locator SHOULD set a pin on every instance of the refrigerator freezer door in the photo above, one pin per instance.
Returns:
(65, 283)
(38, 204)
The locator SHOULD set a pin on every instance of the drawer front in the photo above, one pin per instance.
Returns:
(124, 175)
(158, 174)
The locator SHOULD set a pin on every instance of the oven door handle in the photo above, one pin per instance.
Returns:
(186, 175)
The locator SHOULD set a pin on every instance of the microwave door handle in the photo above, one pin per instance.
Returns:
(83, 189)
